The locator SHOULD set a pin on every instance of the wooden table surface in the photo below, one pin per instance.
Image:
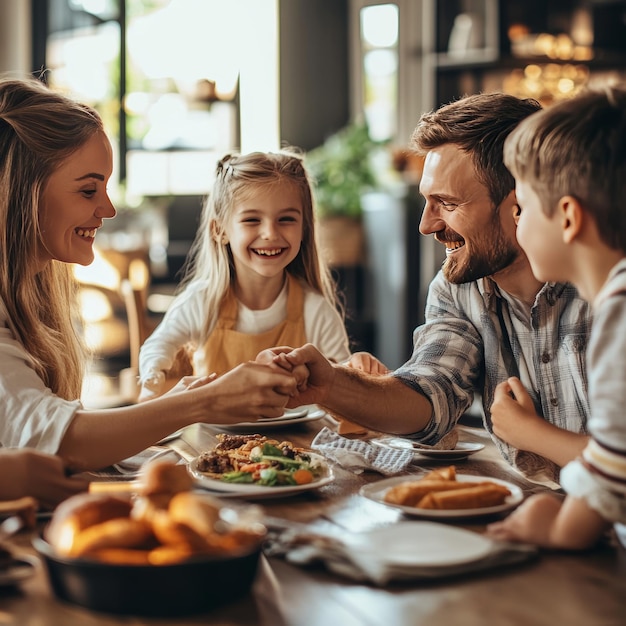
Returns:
(570, 589)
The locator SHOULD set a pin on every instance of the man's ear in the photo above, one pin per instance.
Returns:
(571, 217)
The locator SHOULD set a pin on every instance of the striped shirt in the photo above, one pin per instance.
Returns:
(599, 476)
(476, 336)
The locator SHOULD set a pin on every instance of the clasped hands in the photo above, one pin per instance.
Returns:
(305, 375)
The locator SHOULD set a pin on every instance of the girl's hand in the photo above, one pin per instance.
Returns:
(366, 362)
(513, 416)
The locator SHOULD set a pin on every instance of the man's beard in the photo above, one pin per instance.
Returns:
(488, 256)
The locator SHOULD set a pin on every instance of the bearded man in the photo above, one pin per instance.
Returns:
(487, 318)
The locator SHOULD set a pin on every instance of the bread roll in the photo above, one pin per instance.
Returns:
(114, 533)
(200, 512)
(122, 556)
(173, 533)
(159, 477)
(169, 554)
(82, 511)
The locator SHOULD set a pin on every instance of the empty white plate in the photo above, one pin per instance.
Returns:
(422, 544)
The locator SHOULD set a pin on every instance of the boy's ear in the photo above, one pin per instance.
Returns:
(516, 211)
(571, 217)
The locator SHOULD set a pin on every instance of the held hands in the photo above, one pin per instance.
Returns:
(250, 390)
(513, 415)
(275, 358)
(313, 371)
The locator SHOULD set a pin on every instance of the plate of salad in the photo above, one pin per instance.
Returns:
(257, 466)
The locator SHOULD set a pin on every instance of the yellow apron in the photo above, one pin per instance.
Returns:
(225, 348)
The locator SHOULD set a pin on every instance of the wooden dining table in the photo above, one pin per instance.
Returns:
(573, 589)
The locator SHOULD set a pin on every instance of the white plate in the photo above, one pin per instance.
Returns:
(226, 489)
(421, 544)
(376, 492)
(301, 411)
(462, 451)
(312, 413)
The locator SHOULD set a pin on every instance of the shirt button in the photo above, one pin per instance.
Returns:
(554, 402)
(545, 357)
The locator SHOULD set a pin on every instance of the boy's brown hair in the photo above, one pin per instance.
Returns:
(577, 148)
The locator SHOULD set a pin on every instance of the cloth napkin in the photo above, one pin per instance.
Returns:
(301, 547)
(358, 456)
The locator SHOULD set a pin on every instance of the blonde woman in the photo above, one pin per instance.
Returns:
(55, 162)
(255, 278)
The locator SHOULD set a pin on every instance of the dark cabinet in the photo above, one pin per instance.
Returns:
(547, 49)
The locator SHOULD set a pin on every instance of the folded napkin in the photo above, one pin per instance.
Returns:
(359, 456)
(301, 547)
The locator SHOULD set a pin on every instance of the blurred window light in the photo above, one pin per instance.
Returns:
(379, 41)
(379, 25)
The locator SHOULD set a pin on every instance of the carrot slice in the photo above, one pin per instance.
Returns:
(303, 476)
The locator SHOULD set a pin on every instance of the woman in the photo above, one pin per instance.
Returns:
(55, 161)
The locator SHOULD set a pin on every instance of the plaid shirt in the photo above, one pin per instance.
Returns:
(473, 339)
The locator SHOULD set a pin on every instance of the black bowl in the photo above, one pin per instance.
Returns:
(194, 586)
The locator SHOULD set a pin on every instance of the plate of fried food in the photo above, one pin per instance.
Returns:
(257, 466)
(443, 493)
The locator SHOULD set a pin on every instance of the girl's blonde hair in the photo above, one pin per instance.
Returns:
(237, 177)
(39, 129)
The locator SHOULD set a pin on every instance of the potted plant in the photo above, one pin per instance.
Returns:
(342, 172)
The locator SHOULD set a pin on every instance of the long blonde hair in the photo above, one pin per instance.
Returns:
(237, 176)
(39, 129)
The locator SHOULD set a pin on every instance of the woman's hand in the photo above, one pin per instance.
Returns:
(33, 473)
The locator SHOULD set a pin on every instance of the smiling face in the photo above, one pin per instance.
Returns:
(265, 230)
(479, 239)
(75, 202)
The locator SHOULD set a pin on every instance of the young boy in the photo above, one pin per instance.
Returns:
(569, 164)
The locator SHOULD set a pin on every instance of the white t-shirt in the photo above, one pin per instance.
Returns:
(185, 318)
(30, 414)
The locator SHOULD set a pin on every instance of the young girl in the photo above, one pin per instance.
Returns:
(255, 278)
